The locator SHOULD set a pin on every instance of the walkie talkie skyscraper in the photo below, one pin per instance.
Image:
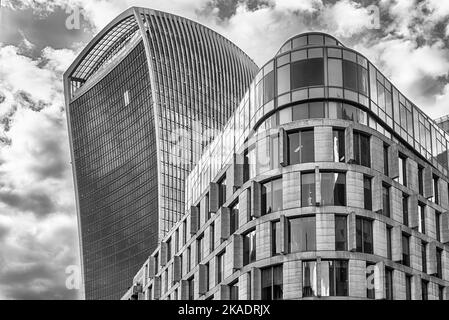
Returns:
(144, 77)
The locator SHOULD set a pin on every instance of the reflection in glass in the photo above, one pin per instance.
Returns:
(272, 283)
(341, 231)
(334, 278)
(301, 147)
(364, 235)
(249, 247)
(309, 280)
(339, 145)
(302, 234)
(333, 189)
(308, 189)
(306, 73)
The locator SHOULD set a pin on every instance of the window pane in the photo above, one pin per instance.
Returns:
(307, 73)
(276, 238)
(301, 112)
(283, 79)
(339, 145)
(277, 194)
(277, 283)
(285, 115)
(267, 206)
(249, 247)
(268, 87)
(350, 75)
(294, 148)
(333, 188)
(309, 280)
(316, 110)
(307, 189)
(335, 72)
(307, 146)
(363, 80)
(267, 282)
(340, 233)
(341, 278)
(302, 234)
(368, 203)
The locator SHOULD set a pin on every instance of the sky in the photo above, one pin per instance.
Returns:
(38, 225)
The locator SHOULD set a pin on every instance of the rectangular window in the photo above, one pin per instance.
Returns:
(364, 235)
(309, 280)
(339, 145)
(367, 193)
(436, 193)
(177, 240)
(189, 259)
(199, 248)
(191, 285)
(222, 191)
(268, 86)
(207, 280)
(234, 217)
(388, 284)
(272, 283)
(184, 232)
(272, 196)
(405, 209)
(439, 253)
(362, 149)
(438, 225)
(220, 267)
(421, 180)
(341, 233)
(301, 147)
(421, 218)
(408, 287)
(212, 237)
(350, 75)
(424, 256)
(206, 209)
(386, 166)
(333, 189)
(302, 234)
(283, 79)
(249, 247)
(425, 289)
(234, 291)
(402, 179)
(169, 249)
(370, 288)
(389, 243)
(126, 97)
(406, 250)
(308, 189)
(276, 238)
(307, 73)
(386, 200)
(334, 278)
(335, 75)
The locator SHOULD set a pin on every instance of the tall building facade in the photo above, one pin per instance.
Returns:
(138, 97)
(326, 182)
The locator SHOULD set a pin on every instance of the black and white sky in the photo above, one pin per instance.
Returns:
(38, 227)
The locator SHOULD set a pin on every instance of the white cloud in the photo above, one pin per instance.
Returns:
(346, 18)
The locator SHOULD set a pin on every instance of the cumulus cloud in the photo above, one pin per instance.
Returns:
(37, 212)
(37, 220)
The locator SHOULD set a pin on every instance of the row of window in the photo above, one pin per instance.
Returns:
(332, 280)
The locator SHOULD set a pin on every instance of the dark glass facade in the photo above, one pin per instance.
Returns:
(138, 107)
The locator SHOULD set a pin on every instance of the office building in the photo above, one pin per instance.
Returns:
(326, 183)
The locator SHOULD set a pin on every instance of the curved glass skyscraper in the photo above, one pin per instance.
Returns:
(139, 98)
